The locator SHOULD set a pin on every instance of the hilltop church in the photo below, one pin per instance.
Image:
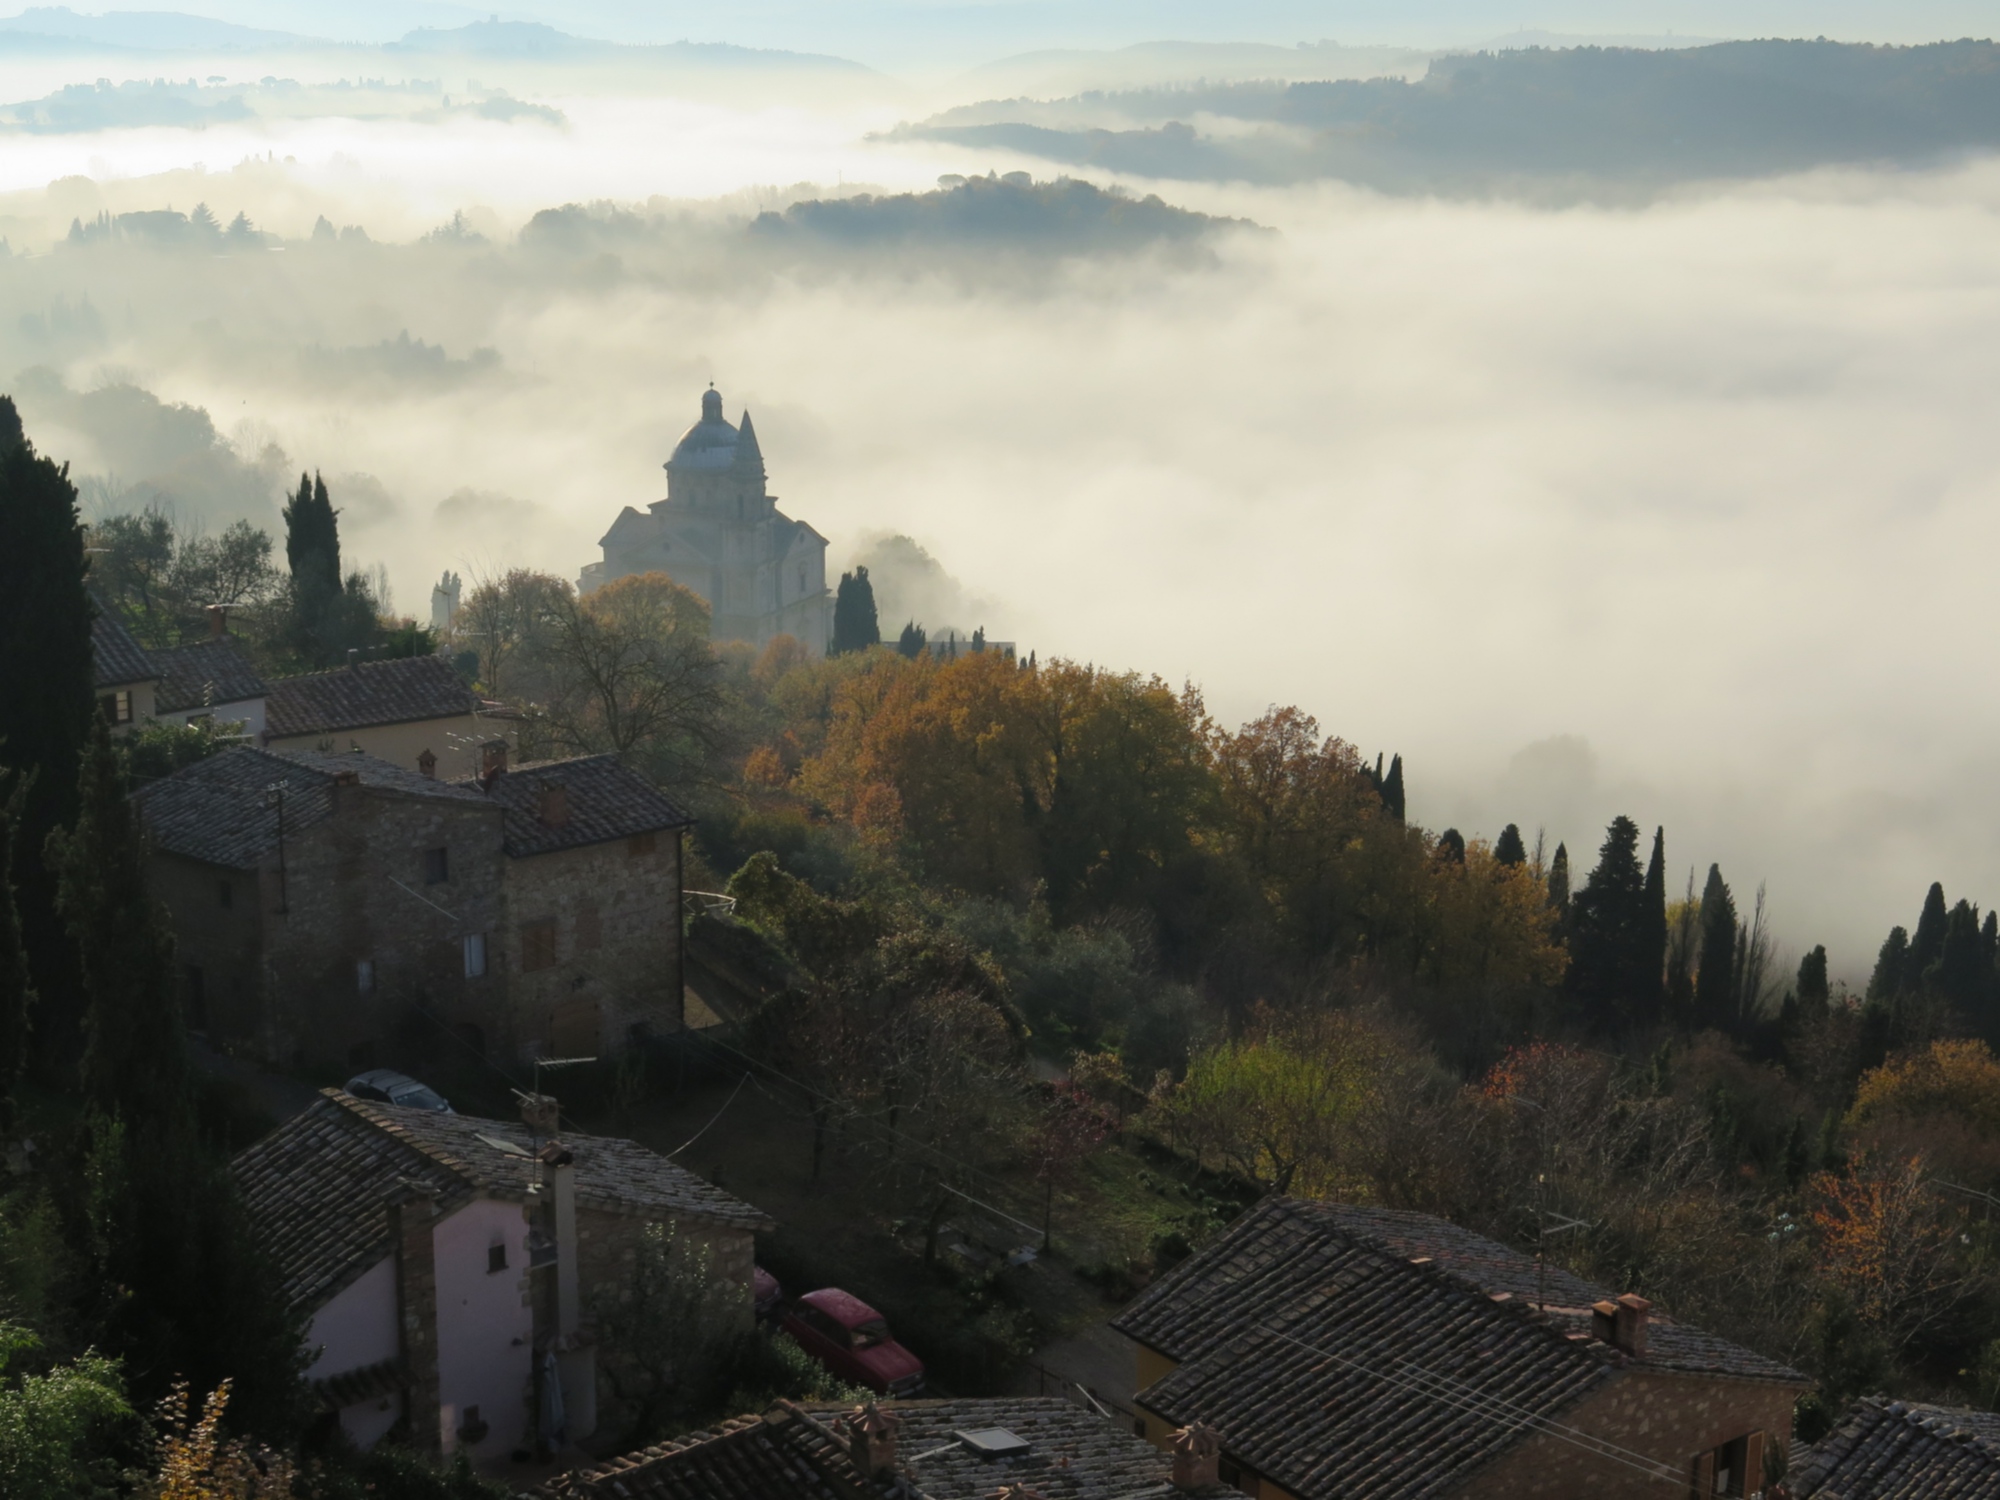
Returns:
(720, 533)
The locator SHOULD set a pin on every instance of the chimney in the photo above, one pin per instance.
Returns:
(412, 1217)
(1197, 1450)
(540, 1113)
(871, 1440)
(559, 1165)
(492, 759)
(1628, 1324)
(353, 658)
(218, 621)
(552, 804)
(427, 764)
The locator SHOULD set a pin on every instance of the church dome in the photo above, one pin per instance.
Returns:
(711, 443)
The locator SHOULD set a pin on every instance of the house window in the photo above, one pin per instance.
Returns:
(364, 976)
(116, 707)
(538, 945)
(225, 894)
(1734, 1469)
(496, 1258)
(437, 869)
(639, 845)
(475, 955)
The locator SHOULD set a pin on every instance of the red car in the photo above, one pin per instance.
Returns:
(853, 1340)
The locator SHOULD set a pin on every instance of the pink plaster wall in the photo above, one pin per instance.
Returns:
(485, 1325)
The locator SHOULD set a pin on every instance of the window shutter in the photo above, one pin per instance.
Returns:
(1704, 1476)
(1753, 1463)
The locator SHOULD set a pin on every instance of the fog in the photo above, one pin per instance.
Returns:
(1683, 508)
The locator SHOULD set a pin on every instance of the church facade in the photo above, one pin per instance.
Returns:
(720, 533)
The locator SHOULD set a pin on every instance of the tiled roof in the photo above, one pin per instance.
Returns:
(800, 1453)
(204, 674)
(118, 659)
(605, 801)
(1890, 1450)
(218, 811)
(1349, 1352)
(368, 693)
(318, 1187)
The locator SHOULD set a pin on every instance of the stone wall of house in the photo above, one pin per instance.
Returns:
(614, 912)
(1662, 1417)
(354, 891)
(217, 918)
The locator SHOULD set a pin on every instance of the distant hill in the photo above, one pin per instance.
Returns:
(1607, 114)
(144, 30)
(532, 40)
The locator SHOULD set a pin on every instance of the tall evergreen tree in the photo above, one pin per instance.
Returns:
(1607, 931)
(855, 627)
(1392, 789)
(1813, 992)
(312, 537)
(172, 1280)
(1886, 982)
(1651, 957)
(47, 699)
(1451, 846)
(912, 641)
(1559, 882)
(1927, 942)
(17, 994)
(1715, 974)
(1508, 848)
(1960, 974)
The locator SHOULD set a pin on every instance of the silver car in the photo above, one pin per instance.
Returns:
(387, 1086)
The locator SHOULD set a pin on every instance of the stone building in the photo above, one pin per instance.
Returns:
(415, 712)
(209, 680)
(452, 1268)
(124, 676)
(720, 533)
(1346, 1353)
(336, 910)
(1897, 1450)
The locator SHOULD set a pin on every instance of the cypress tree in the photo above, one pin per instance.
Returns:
(855, 627)
(1886, 982)
(1607, 964)
(312, 538)
(1559, 882)
(1813, 991)
(1392, 789)
(1715, 976)
(17, 995)
(1508, 848)
(175, 1284)
(47, 696)
(1650, 959)
(1927, 942)
(1451, 847)
(1989, 942)
(1960, 973)
(911, 642)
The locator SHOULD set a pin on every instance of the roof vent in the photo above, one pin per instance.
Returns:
(993, 1442)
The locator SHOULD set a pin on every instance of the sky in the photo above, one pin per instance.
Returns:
(1683, 508)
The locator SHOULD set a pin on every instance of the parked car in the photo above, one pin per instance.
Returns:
(387, 1086)
(765, 1294)
(853, 1340)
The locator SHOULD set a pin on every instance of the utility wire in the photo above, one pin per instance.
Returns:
(717, 1115)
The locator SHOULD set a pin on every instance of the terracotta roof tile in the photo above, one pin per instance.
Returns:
(1892, 1450)
(203, 675)
(368, 693)
(319, 1186)
(604, 801)
(1349, 1352)
(217, 811)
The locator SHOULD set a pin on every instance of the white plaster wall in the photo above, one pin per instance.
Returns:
(368, 1422)
(485, 1326)
(358, 1327)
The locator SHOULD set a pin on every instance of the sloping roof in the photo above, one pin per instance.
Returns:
(606, 801)
(319, 1186)
(1892, 1450)
(117, 658)
(366, 694)
(799, 1452)
(204, 674)
(218, 811)
(1365, 1352)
